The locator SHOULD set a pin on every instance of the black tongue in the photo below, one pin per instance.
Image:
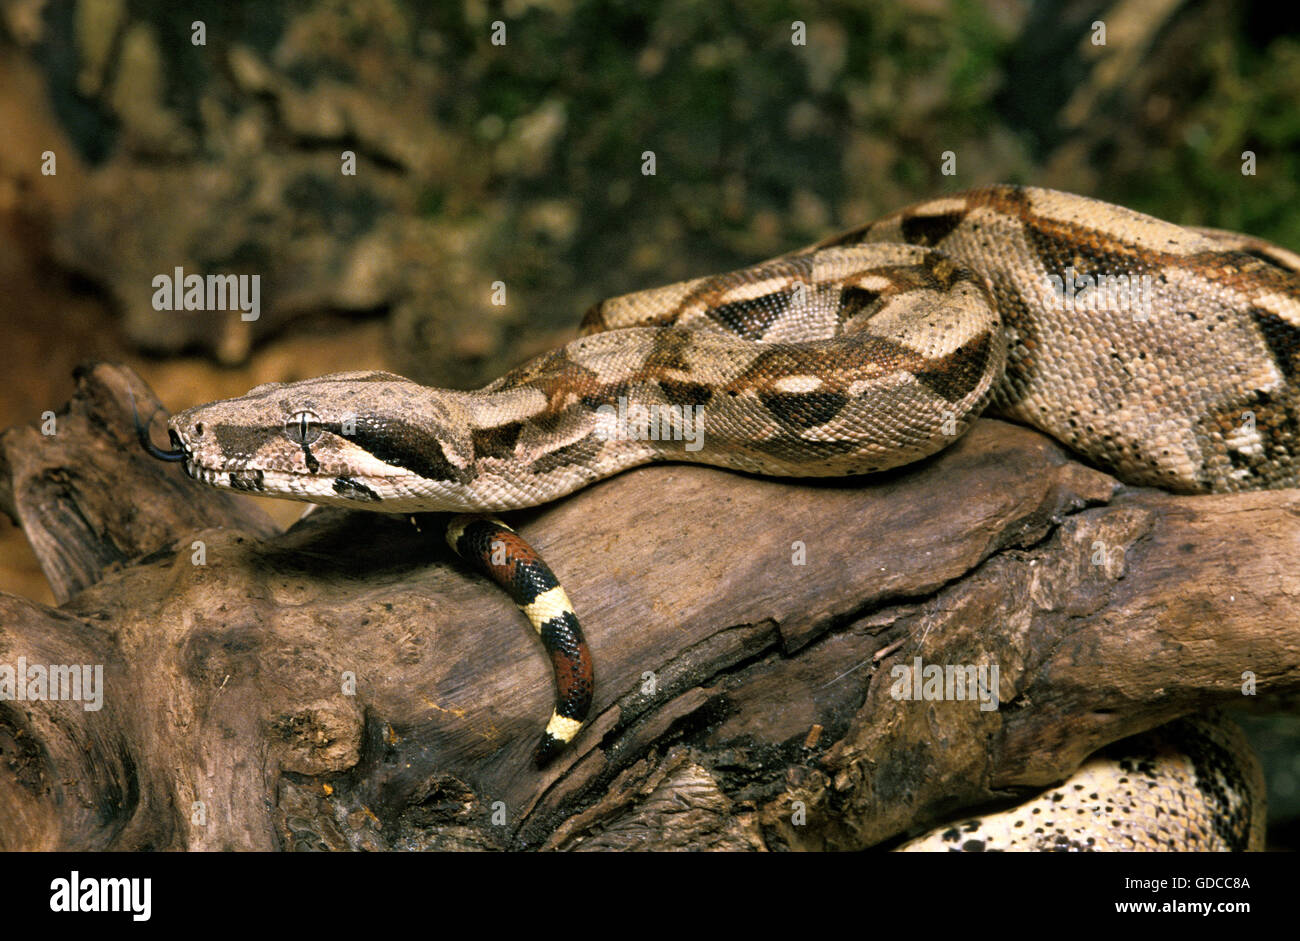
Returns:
(142, 433)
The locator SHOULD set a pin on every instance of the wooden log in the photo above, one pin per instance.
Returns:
(86, 495)
(350, 684)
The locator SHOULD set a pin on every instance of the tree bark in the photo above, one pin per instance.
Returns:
(349, 684)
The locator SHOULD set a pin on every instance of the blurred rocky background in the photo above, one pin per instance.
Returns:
(505, 144)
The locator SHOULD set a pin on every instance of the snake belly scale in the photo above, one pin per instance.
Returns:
(867, 351)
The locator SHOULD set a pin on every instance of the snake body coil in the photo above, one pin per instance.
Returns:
(1165, 354)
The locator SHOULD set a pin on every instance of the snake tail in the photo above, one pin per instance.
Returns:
(497, 551)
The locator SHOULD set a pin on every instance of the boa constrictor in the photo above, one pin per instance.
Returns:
(1166, 354)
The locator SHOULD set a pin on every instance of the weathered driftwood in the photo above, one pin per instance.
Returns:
(743, 700)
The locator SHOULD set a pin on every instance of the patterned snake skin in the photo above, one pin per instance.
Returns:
(1162, 353)
(1191, 784)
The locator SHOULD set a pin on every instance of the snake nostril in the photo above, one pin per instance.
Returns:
(198, 429)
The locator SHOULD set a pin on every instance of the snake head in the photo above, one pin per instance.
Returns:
(357, 438)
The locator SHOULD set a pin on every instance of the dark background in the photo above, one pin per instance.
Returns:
(522, 163)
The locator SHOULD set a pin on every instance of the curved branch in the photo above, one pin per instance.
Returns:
(348, 684)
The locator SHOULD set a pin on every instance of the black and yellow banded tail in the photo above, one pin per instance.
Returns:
(502, 555)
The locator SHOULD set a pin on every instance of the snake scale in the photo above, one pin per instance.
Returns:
(1165, 354)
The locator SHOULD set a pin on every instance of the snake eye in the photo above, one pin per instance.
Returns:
(198, 430)
(302, 427)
